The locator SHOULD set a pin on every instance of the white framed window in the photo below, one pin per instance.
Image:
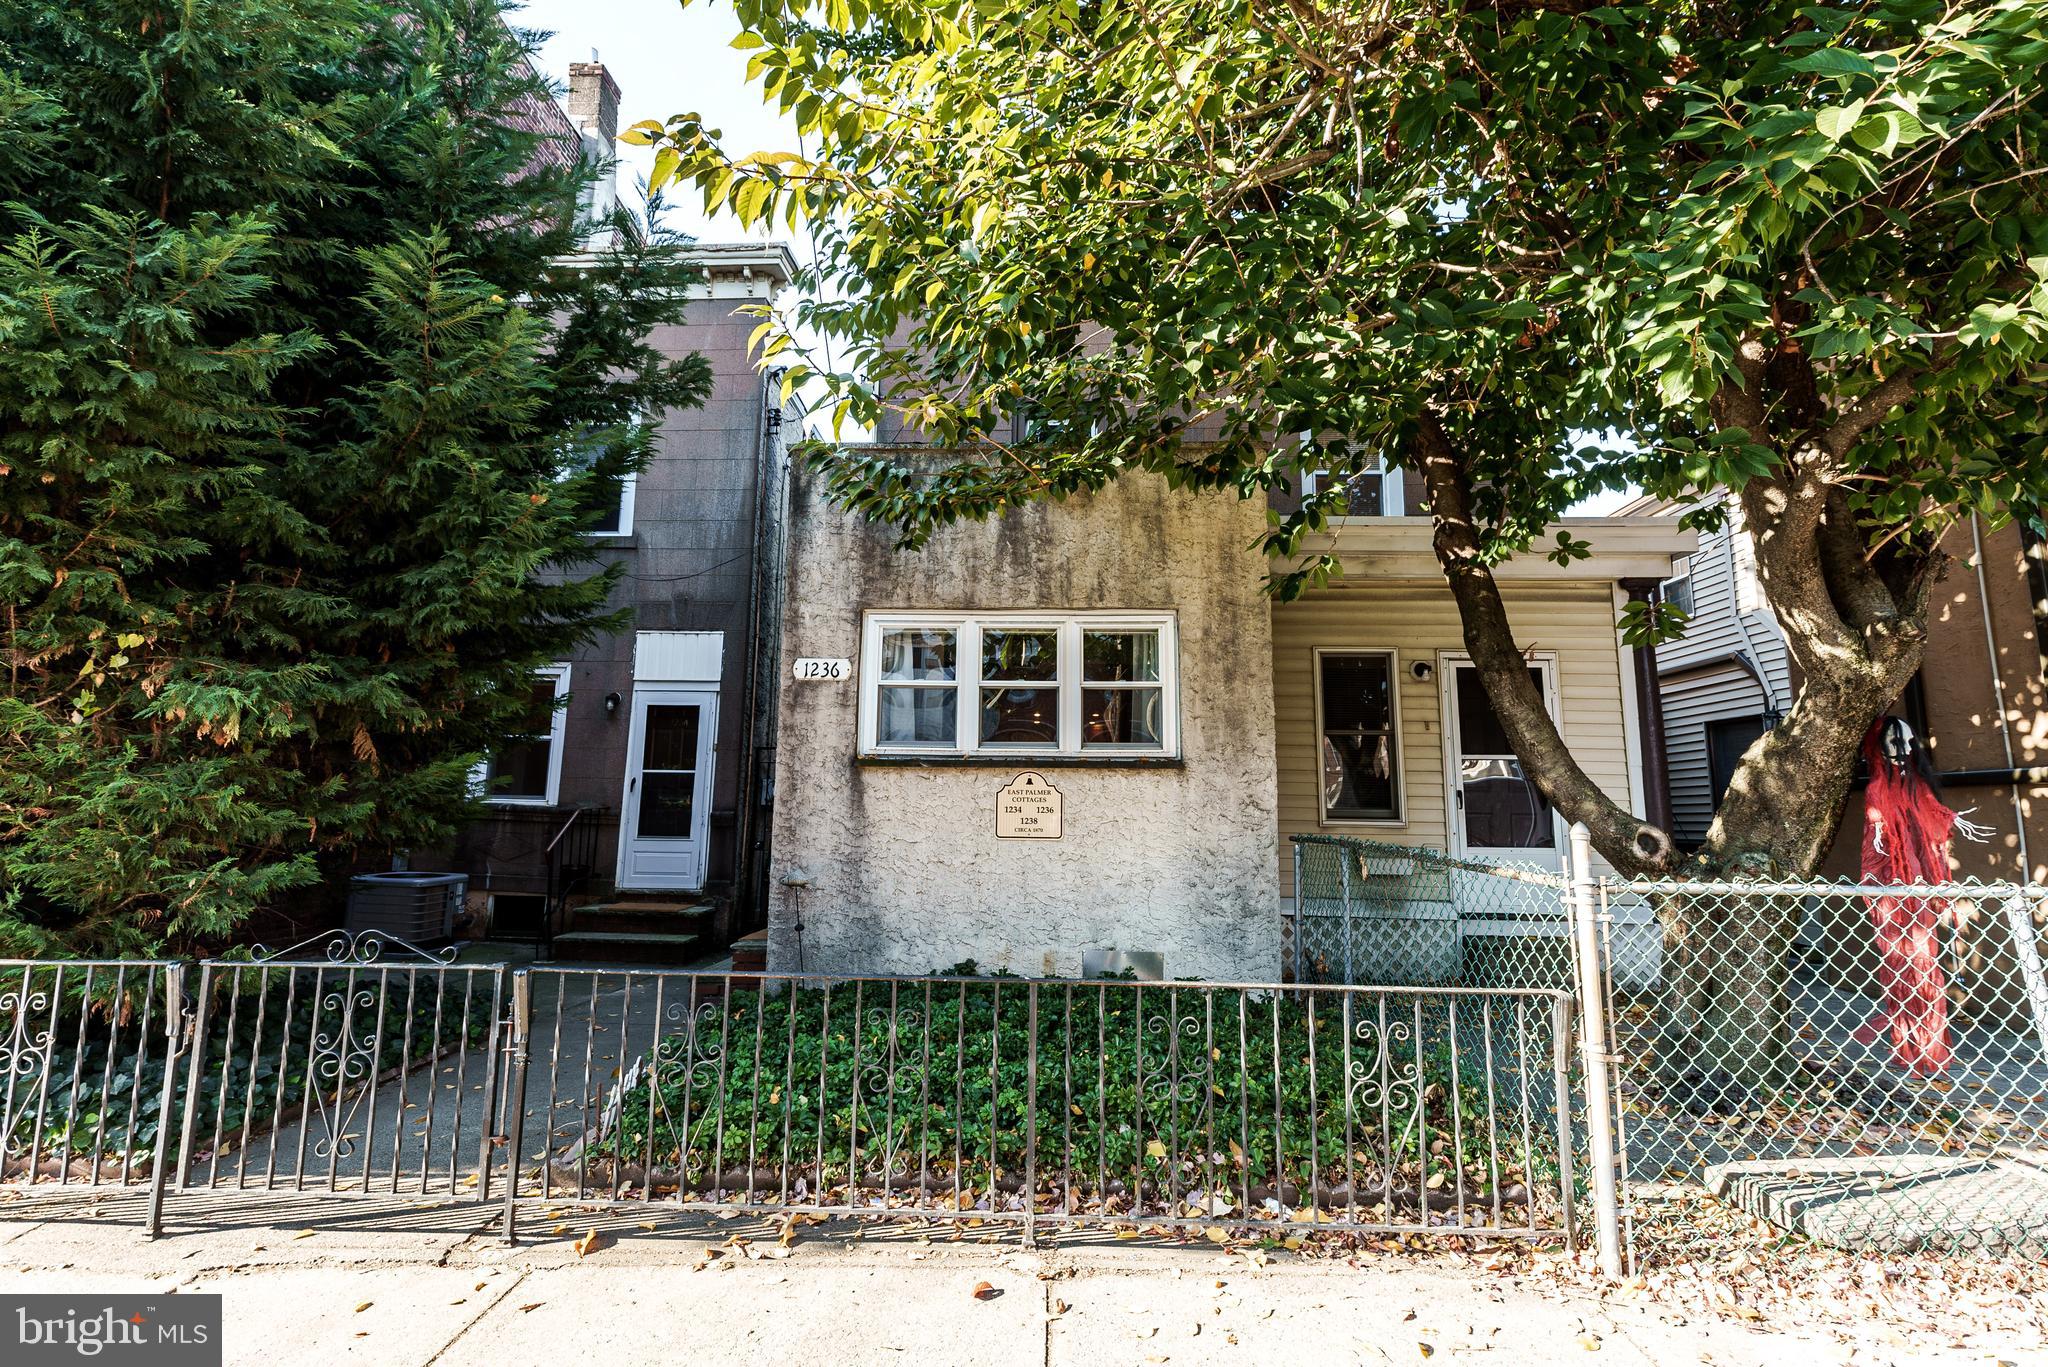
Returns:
(527, 769)
(617, 517)
(1019, 683)
(613, 515)
(1677, 590)
(1358, 736)
(1371, 490)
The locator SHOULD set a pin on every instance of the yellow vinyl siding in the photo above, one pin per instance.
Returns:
(1575, 622)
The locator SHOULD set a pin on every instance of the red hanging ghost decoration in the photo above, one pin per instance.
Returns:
(1906, 834)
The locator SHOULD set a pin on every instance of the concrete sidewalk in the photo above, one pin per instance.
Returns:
(396, 1283)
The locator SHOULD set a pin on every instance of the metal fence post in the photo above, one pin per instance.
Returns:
(189, 1112)
(1594, 1054)
(1030, 1118)
(2026, 945)
(515, 1116)
(1344, 868)
(174, 1027)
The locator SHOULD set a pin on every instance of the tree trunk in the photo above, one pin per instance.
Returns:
(1854, 622)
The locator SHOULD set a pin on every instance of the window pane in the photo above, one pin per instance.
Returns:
(1020, 716)
(1121, 716)
(1364, 494)
(1358, 776)
(609, 502)
(917, 654)
(520, 769)
(1479, 728)
(916, 716)
(1358, 694)
(1029, 656)
(539, 717)
(665, 803)
(1109, 656)
(671, 738)
(606, 499)
(1503, 810)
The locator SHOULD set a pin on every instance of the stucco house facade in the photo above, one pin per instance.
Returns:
(1122, 650)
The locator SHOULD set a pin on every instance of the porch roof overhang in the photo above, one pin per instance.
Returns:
(1391, 548)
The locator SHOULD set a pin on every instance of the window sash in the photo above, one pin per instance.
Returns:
(551, 738)
(1393, 491)
(969, 687)
(1397, 785)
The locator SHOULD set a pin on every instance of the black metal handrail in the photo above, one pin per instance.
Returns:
(570, 858)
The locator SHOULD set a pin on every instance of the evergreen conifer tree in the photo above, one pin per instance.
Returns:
(307, 395)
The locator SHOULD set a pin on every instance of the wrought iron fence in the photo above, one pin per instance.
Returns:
(332, 1067)
(1868, 1064)
(1037, 1102)
(88, 1057)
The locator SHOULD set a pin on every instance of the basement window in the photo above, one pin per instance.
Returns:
(1019, 684)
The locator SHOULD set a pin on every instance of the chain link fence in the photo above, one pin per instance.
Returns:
(1368, 912)
(1865, 1064)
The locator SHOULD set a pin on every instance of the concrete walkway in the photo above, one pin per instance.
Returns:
(315, 1280)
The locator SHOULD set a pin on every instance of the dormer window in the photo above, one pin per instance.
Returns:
(1370, 490)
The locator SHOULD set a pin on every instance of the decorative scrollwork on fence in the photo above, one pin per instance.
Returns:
(891, 1061)
(352, 947)
(1181, 1083)
(25, 1051)
(1379, 1076)
(696, 1045)
(343, 1058)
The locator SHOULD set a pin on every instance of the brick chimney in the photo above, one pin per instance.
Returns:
(594, 102)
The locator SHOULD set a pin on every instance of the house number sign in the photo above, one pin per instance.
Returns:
(1028, 808)
(823, 671)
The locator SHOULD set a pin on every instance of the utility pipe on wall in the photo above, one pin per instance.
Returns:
(2019, 811)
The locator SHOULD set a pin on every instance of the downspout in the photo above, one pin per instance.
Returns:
(743, 860)
(2019, 815)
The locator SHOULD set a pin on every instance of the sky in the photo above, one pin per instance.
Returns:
(668, 59)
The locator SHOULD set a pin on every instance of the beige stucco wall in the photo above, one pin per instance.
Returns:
(907, 874)
(1417, 620)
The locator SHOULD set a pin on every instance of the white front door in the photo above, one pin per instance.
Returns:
(667, 806)
(1496, 812)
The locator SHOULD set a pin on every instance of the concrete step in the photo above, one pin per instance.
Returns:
(640, 918)
(627, 947)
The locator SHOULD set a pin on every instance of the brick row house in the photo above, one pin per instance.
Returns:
(628, 823)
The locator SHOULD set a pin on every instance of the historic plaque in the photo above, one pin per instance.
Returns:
(1028, 808)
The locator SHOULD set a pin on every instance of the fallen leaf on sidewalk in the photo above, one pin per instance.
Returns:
(590, 1243)
(985, 1291)
(303, 1234)
(529, 1309)
(364, 1306)
(1426, 1349)
(1589, 1342)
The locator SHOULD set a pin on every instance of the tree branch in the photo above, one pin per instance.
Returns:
(1868, 411)
(1631, 845)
